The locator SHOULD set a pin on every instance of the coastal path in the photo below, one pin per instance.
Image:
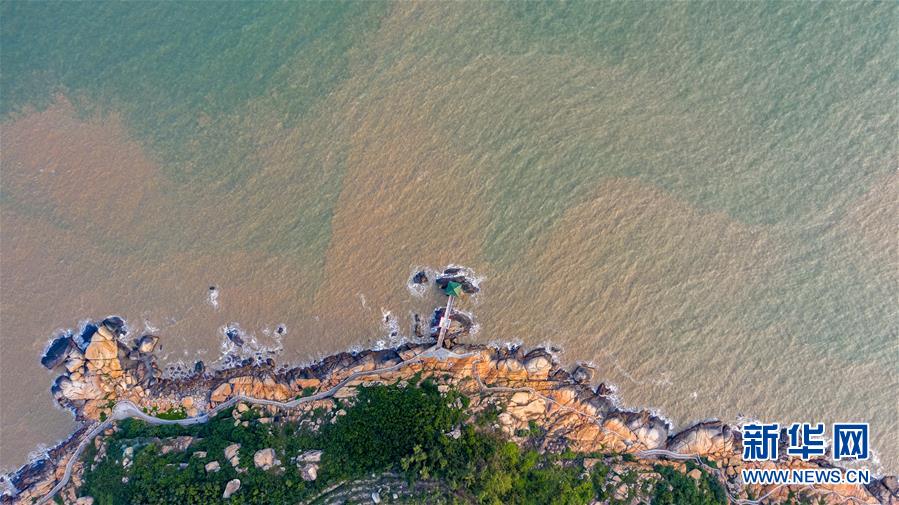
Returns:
(126, 409)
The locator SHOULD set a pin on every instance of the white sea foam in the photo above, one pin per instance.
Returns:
(213, 298)
(149, 328)
(420, 290)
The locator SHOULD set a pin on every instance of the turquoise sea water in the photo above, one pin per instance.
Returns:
(698, 197)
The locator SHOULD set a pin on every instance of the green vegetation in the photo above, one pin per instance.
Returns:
(173, 414)
(411, 430)
(307, 391)
(676, 488)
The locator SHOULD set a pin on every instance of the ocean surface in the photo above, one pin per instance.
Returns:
(699, 198)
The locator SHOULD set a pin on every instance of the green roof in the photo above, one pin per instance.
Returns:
(453, 289)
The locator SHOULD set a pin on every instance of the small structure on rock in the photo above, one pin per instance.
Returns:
(454, 282)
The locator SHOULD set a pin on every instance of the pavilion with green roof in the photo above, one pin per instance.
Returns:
(453, 289)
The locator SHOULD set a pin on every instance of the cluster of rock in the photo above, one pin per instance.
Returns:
(527, 388)
(459, 275)
(100, 368)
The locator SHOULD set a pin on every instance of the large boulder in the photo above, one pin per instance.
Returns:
(583, 373)
(310, 457)
(265, 459)
(177, 444)
(309, 472)
(212, 467)
(103, 333)
(80, 390)
(704, 439)
(231, 454)
(57, 351)
(230, 488)
(885, 490)
(102, 351)
(147, 343)
(538, 362)
(75, 361)
(221, 393)
(115, 324)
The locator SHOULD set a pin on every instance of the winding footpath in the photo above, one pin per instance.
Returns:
(126, 409)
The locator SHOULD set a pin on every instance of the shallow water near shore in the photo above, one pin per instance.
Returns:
(700, 200)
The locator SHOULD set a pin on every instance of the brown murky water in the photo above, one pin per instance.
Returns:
(708, 263)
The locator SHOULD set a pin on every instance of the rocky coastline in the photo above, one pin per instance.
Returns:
(98, 370)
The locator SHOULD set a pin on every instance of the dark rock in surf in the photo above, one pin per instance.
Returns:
(147, 343)
(420, 278)
(584, 373)
(886, 489)
(57, 351)
(115, 324)
(86, 336)
(455, 275)
(603, 390)
(199, 367)
(463, 320)
(234, 336)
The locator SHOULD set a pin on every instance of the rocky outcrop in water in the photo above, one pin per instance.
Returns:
(528, 389)
(460, 275)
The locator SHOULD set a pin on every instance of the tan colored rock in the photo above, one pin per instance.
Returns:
(102, 351)
(102, 333)
(310, 457)
(307, 383)
(509, 365)
(212, 467)
(530, 410)
(230, 488)
(521, 398)
(621, 492)
(221, 393)
(177, 444)
(265, 459)
(231, 454)
(74, 363)
(147, 343)
(81, 390)
(309, 472)
(705, 439)
(538, 365)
